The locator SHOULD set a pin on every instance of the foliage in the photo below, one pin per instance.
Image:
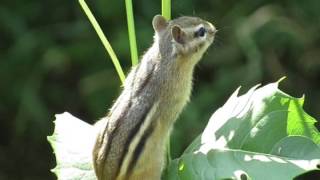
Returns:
(73, 155)
(263, 133)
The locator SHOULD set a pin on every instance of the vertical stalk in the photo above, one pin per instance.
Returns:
(166, 13)
(103, 39)
(166, 9)
(132, 34)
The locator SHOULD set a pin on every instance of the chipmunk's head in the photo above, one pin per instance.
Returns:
(185, 36)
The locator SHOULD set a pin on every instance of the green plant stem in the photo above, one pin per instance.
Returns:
(166, 12)
(132, 34)
(103, 39)
(166, 9)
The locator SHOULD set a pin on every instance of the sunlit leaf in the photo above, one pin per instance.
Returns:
(72, 142)
(263, 133)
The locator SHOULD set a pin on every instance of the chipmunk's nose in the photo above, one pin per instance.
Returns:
(212, 30)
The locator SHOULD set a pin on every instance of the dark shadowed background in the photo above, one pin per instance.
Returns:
(52, 61)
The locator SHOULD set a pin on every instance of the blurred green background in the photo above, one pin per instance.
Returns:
(52, 61)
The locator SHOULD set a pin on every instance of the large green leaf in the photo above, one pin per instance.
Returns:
(72, 142)
(263, 134)
(234, 164)
(257, 120)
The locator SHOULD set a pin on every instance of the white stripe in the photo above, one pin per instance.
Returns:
(136, 139)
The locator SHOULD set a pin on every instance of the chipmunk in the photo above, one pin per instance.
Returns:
(131, 141)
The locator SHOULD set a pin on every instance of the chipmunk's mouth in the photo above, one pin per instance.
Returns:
(210, 38)
(212, 30)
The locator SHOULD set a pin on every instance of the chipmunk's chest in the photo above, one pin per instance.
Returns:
(179, 82)
(175, 93)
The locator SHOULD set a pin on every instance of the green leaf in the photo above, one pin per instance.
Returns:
(263, 133)
(72, 142)
(261, 115)
(296, 147)
(234, 164)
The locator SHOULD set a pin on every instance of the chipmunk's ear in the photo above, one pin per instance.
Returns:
(178, 34)
(159, 23)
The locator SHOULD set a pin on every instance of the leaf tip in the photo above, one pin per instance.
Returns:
(281, 79)
(236, 92)
(55, 170)
(301, 99)
(49, 138)
(256, 86)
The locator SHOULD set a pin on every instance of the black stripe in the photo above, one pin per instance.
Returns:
(131, 136)
(136, 128)
(134, 78)
(115, 130)
(146, 80)
(96, 149)
(139, 149)
(123, 116)
(120, 119)
(104, 131)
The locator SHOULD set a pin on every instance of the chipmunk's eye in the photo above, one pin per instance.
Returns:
(200, 33)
